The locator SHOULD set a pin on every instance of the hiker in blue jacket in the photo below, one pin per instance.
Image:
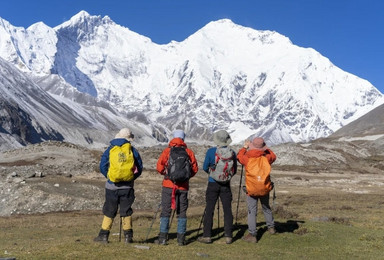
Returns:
(218, 188)
(119, 193)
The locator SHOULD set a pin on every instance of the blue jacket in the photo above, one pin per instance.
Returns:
(210, 159)
(104, 162)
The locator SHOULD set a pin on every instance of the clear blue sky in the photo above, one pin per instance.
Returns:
(348, 32)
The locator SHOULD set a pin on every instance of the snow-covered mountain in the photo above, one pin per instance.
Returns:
(29, 114)
(223, 76)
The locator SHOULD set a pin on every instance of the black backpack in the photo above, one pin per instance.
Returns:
(179, 165)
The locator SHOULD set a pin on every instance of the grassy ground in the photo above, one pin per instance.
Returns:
(69, 236)
(313, 222)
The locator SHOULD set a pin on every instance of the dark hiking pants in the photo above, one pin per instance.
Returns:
(115, 198)
(215, 191)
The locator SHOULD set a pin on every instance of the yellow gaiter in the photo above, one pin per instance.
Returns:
(127, 223)
(107, 223)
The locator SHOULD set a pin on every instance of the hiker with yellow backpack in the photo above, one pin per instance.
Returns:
(121, 164)
(257, 158)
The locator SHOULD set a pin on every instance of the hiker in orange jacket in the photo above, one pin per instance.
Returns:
(174, 196)
(253, 149)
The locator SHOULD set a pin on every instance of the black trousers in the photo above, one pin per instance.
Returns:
(114, 198)
(215, 191)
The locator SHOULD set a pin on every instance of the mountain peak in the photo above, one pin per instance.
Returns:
(80, 16)
(84, 17)
(224, 21)
(5, 24)
(225, 34)
(39, 26)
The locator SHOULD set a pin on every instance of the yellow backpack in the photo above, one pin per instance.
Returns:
(121, 163)
(257, 176)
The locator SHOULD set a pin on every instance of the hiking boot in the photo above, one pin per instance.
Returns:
(102, 237)
(250, 238)
(228, 240)
(272, 230)
(205, 240)
(181, 239)
(128, 236)
(162, 240)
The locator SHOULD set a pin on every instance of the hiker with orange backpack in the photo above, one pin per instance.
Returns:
(121, 164)
(178, 164)
(257, 159)
(221, 164)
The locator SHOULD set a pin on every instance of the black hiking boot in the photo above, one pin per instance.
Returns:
(102, 237)
(128, 236)
(181, 239)
(162, 240)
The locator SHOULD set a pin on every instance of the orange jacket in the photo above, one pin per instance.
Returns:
(162, 164)
(243, 155)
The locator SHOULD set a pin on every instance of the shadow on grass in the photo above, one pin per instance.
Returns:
(239, 231)
(281, 227)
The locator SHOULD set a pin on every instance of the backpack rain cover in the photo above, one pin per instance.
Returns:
(257, 176)
(121, 163)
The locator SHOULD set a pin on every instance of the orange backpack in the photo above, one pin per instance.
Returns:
(257, 176)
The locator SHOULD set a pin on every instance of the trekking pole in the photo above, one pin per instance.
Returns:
(153, 220)
(274, 196)
(218, 216)
(201, 222)
(120, 228)
(238, 195)
(170, 221)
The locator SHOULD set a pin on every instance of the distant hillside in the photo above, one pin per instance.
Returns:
(371, 123)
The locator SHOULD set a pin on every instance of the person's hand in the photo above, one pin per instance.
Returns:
(246, 144)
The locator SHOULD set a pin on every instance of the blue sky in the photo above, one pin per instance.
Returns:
(348, 32)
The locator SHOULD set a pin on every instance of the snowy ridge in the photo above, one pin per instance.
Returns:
(223, 76)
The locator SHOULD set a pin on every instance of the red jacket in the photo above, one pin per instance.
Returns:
(243, 155)
(162, 164)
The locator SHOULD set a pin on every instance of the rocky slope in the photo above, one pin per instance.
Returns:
(56, 176)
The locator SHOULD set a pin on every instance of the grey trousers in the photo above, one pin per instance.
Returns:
(252, 212)
(181, 202)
